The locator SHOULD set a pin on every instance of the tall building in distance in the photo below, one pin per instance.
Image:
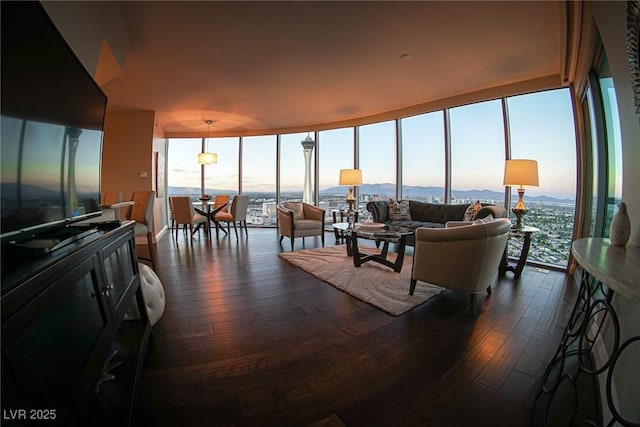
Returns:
(307, 148)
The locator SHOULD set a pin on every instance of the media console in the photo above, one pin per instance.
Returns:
(70, 356)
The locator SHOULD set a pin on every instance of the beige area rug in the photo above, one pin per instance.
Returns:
(373, 283)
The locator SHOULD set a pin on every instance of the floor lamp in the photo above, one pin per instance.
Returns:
(520, 172)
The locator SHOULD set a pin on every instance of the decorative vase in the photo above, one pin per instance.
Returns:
(620, 226)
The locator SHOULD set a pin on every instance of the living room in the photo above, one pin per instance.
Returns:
(247, 338)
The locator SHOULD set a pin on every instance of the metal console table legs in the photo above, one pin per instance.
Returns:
(578, 385)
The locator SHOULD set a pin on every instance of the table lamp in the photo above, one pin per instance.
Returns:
(520, 172)
(350, 177)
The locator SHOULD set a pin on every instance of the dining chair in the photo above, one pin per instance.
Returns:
(142, 213)
(237, 214)
(220, 199)
(183, 213)
(109, 198)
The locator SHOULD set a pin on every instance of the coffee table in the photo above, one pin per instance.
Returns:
(386, 234)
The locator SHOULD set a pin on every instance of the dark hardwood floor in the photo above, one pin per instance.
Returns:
(248, 339)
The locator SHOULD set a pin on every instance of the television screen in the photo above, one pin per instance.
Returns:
(52, 115)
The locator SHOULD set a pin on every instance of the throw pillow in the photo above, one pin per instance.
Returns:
(484, 220)
(399, 211)
(468, 213)
(476, 208)
(472, 210)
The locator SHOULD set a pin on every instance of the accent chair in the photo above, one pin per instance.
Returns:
(464, 257)
(299, 219)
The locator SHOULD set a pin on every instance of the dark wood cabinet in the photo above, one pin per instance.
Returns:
(70, 353)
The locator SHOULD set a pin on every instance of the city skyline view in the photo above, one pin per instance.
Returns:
(541, 128)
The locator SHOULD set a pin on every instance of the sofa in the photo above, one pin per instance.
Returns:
(430, 215)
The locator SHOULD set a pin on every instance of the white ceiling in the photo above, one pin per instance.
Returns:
(253, 66)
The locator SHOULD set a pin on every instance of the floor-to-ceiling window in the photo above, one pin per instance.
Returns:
(377, 156)
(423, 144)
(183, 170)
(259, 178)
(477, 153)
(592, 165)
(600, 115)
(222, 177)
(541, 128)
(335, 152)
(613, 143)
(292, 166)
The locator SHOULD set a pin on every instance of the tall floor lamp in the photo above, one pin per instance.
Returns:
(520, 172)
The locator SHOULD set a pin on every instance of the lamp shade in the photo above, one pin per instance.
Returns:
(350, 177)
(207, 158)
(521, 172)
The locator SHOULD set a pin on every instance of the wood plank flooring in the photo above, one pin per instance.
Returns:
(248, 339)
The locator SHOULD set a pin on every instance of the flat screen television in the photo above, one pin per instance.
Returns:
(52, 117)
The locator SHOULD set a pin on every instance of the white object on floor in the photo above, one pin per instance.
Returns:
(153, 293)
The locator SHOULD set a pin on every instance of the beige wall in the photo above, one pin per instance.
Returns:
(126, 153)
(131, 140)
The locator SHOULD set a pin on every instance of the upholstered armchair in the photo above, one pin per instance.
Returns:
(464, 258)
(298, 219)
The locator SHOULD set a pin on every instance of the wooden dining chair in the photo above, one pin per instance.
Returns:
(236, 215)
(220, 199)
(110, 198)
(142, 213)
(184, 214)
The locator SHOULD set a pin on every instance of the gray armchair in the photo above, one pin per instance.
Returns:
(298, 219)
(464, 258)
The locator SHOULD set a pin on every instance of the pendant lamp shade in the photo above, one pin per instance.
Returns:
(207, 158)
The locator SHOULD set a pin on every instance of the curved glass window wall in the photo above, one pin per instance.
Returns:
(408, 158)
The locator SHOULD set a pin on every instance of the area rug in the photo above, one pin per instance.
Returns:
(372, 283)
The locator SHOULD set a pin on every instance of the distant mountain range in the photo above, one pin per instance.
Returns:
(408, 191)
(419, 191)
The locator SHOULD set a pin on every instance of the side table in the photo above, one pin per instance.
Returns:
(524, 232)
(344, 216)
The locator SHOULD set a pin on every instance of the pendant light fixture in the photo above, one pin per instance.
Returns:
(207, 158)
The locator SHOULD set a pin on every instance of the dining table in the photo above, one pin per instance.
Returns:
(209, 210)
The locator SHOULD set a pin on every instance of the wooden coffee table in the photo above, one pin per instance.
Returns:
(386, 234)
